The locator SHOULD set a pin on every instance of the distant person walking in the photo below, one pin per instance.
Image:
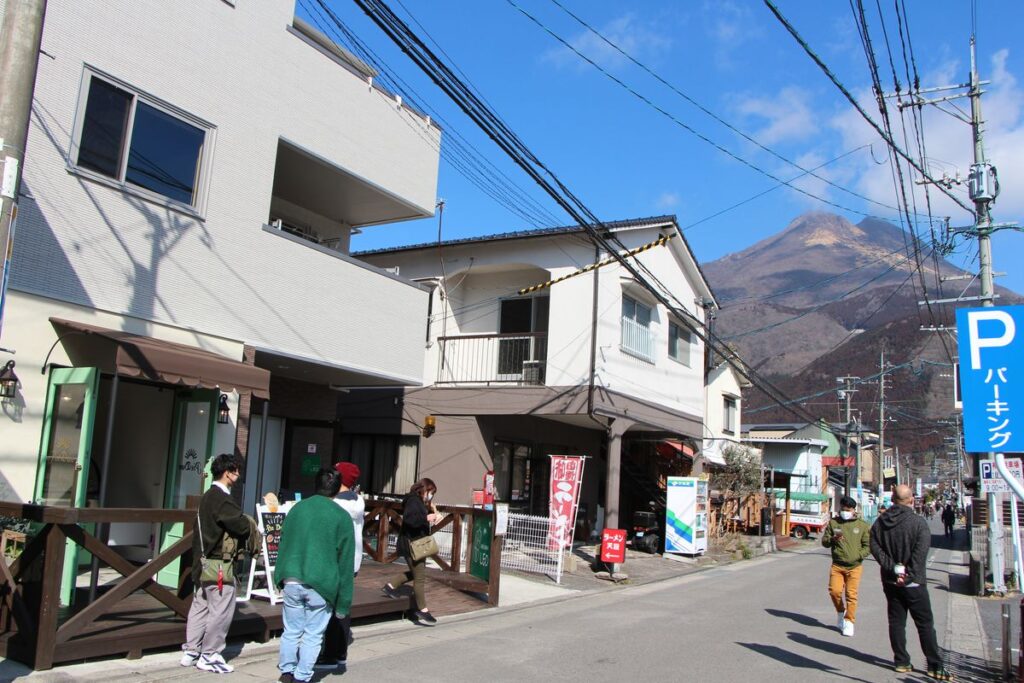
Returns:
(418, 513)
(213, 606)
(339, 630)
(849, 538)
(899, 541)
(948, 520)
(314, 567)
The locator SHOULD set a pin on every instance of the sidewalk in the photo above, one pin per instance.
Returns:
(252, 660)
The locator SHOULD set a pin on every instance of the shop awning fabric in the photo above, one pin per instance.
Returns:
(670, 448)
(173, 363)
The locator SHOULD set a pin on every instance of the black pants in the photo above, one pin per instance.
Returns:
(914, 600)
(337, 638)
(949, 528)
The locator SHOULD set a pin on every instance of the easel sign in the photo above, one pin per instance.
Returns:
(269, 520)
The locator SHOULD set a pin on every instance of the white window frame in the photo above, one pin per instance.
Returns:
(197, 209)
(730, 426)
(647, 356)
(685, 344)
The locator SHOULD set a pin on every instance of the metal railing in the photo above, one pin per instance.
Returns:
(518, 358)
(637, 339)
(528, 548)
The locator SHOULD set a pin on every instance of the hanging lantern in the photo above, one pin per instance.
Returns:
(8, 381)
(223, 412)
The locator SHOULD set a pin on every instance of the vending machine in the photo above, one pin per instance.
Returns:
(686, 516)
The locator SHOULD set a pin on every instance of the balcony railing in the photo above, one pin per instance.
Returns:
(637, 340)
(493, 358)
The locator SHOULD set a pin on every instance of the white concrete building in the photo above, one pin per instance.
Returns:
(723, 412)
(193, 174)
(574, 367)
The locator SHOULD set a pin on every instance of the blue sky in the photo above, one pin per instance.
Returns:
(624, 159)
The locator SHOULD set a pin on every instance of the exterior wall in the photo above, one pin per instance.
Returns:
(27, 330)
(721, 382)
(497, 269)
(797, 459)
(240, 69)
(816, 431)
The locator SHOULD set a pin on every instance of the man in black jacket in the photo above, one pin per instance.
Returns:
(213, 606)
(899, 541)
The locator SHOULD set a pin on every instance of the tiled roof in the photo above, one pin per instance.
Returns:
(522, 234)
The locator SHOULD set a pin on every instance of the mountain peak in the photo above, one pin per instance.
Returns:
(819, 228)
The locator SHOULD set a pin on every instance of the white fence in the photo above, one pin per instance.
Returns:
(526, 547)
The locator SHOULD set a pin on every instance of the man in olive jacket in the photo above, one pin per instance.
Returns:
(849, 538)
(315, 563)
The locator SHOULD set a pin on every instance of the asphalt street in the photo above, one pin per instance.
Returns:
(764, 619)
(769, 619)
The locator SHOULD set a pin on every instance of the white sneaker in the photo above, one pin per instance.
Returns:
(214, 664)
(841, 620)
(847, 628)
(189, 658)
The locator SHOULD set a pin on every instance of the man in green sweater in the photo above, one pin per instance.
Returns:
(849, 537)
(315, 562)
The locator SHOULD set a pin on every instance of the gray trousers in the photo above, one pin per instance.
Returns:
(209, 619)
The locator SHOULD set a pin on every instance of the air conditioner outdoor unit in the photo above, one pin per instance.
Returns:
(533, 371)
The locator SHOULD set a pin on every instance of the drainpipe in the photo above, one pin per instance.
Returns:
(593, 337)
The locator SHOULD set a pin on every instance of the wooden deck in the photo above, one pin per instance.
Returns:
(142, 623)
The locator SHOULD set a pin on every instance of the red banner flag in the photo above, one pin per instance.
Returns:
(566, 476)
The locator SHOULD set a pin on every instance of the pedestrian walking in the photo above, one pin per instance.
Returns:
(218, 520)
(418, 513)
(899, 541)
(849, 538)
(339, 630)
(314, 570)
(948, 520)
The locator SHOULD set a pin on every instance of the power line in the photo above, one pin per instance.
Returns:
(846, 93)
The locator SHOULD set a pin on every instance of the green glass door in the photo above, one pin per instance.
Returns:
(65, 450)
(188, 467)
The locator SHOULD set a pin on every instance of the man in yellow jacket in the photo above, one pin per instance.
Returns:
(849, 537)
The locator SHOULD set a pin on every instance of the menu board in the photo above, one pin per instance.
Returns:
(271, 523)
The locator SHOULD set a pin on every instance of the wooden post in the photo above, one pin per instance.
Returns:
(457, 543)
(383, 525)
(494, 583)
(49, 604)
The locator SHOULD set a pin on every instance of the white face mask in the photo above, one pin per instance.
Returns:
(430, 497)
(847, 514)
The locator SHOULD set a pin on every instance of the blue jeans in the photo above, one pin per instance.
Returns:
(306, 616)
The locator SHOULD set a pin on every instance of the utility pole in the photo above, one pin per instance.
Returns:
(20, 39)
(881, 417)
(847, 393)
(982, 182)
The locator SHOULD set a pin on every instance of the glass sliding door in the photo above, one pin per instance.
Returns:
(65, 450)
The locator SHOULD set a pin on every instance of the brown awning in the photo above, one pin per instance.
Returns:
(164, 361)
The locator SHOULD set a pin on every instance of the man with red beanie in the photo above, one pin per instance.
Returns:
(339, 630)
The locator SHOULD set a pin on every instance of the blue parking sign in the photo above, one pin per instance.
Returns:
(992, 378)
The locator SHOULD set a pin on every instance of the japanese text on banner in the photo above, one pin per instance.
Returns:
(566, 475)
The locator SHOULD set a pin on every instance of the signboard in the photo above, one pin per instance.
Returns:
(566, 476)
(310, 465)
(918, 488)
(992, 378)
(500, 519)
(480, 555)
(613, 546)
(488, 488)
(269, 521)
(686, 514)
(993, 482)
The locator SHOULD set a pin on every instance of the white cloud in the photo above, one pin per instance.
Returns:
(786, 116)
(948, 145)
(667, 200)
(730, 25)
(637, 38)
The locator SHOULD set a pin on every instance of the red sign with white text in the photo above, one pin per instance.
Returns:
(566, 475)
(613, 546)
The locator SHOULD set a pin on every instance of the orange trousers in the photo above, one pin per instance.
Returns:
(847, 578)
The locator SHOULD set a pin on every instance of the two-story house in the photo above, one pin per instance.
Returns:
(181, 282)
(589, 365)
(723, 413)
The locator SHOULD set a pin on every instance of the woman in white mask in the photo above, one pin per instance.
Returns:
(418, 514)
(849, 539)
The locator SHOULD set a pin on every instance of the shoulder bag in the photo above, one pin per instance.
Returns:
(422, 548)
(213, 570)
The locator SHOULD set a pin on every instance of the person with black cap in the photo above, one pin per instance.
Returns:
(849, 537)
(339, 629)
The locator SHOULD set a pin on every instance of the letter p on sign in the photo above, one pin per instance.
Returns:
(976, 342)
